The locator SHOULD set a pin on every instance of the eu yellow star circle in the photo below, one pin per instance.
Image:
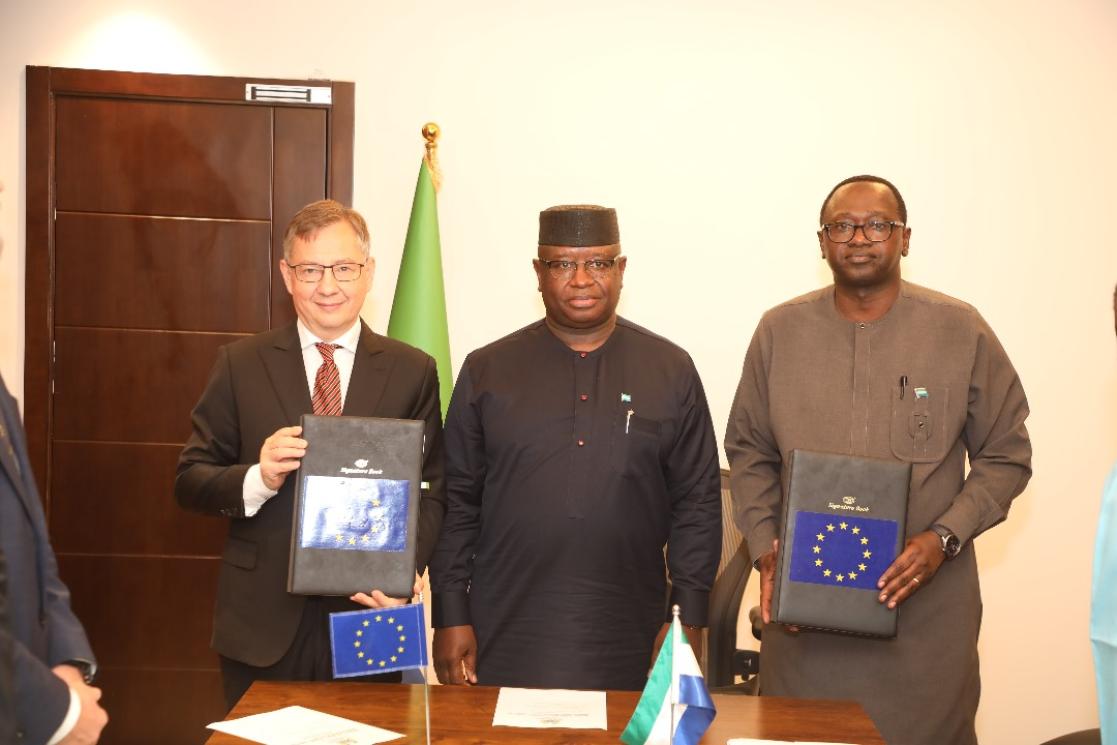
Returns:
(363, 643)
(829, 567)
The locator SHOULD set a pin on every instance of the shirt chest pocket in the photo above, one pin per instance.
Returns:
(635, 442)
(918, 431)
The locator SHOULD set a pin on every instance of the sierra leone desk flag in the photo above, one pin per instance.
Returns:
(419, 307)
(675, 708)
(367, 642)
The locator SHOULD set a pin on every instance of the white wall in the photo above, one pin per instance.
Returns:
(716, 128)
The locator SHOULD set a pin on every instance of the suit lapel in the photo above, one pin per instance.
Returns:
(370, 375)
(283, 361)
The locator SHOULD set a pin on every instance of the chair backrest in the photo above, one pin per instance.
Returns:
(725, 599)
(731, 538)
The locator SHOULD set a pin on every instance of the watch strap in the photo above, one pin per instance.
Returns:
(950, 543)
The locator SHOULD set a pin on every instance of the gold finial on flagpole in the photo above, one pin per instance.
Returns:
(431, 133)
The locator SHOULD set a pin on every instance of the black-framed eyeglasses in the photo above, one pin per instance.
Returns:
(565, 269)
(344, 271)
(874, 230)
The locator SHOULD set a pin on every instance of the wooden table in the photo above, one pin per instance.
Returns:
(461, 716)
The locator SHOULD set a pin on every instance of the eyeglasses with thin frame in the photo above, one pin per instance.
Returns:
(565, 269)
(874, 230)
(343, 271)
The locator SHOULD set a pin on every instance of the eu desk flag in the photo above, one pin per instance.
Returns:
(366, 642)
(842, 551)
(419, 308)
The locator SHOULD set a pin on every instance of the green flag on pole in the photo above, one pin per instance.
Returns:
(419, 308)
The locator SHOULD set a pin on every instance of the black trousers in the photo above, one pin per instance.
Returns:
(308, 657)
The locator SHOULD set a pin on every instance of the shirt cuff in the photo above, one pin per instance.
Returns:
(450, 609)
(760, 543)
(69, 721)
(694, 606)
(254, 491)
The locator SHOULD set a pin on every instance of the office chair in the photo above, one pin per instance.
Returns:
(724, 662)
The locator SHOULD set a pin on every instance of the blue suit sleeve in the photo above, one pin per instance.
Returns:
(67, 640)
(41, 698)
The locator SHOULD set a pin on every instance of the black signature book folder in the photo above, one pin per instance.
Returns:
(356, 506)
(843, 524)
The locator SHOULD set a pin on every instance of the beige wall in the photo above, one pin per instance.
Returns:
(716, 128)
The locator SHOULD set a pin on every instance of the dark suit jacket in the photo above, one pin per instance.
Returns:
(257, 386)
(7, 658)
(42, 630)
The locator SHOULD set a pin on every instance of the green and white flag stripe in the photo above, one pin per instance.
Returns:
(675, 679)
(651, 722)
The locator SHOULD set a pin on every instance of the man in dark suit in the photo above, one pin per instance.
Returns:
(52, 664)
(246, 443)
(46, 664)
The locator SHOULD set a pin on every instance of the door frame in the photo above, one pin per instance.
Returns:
(43, 85)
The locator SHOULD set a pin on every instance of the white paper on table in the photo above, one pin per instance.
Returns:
(528, 707)
(297, 725)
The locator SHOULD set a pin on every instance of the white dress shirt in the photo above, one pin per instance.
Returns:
(254, 490)
(69, 721)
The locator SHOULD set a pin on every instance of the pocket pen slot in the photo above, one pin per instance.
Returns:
(918, 421)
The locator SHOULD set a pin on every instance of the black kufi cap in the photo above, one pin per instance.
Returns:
(578, 225)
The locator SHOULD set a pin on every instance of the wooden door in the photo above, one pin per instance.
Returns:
(156, 206)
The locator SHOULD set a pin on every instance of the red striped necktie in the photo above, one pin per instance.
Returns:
(327, 383)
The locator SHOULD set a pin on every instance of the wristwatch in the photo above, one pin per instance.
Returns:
(87, 669)
(950, 543)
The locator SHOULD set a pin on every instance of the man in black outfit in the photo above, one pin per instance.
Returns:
(577, 448)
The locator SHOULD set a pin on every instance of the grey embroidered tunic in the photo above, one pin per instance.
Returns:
(817, 381)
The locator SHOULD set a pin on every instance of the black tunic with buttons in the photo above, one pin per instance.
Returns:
(567, 474)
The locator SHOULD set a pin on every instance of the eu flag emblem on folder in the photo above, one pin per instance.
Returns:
(841, 551)
(366, 642)
(354, 514)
